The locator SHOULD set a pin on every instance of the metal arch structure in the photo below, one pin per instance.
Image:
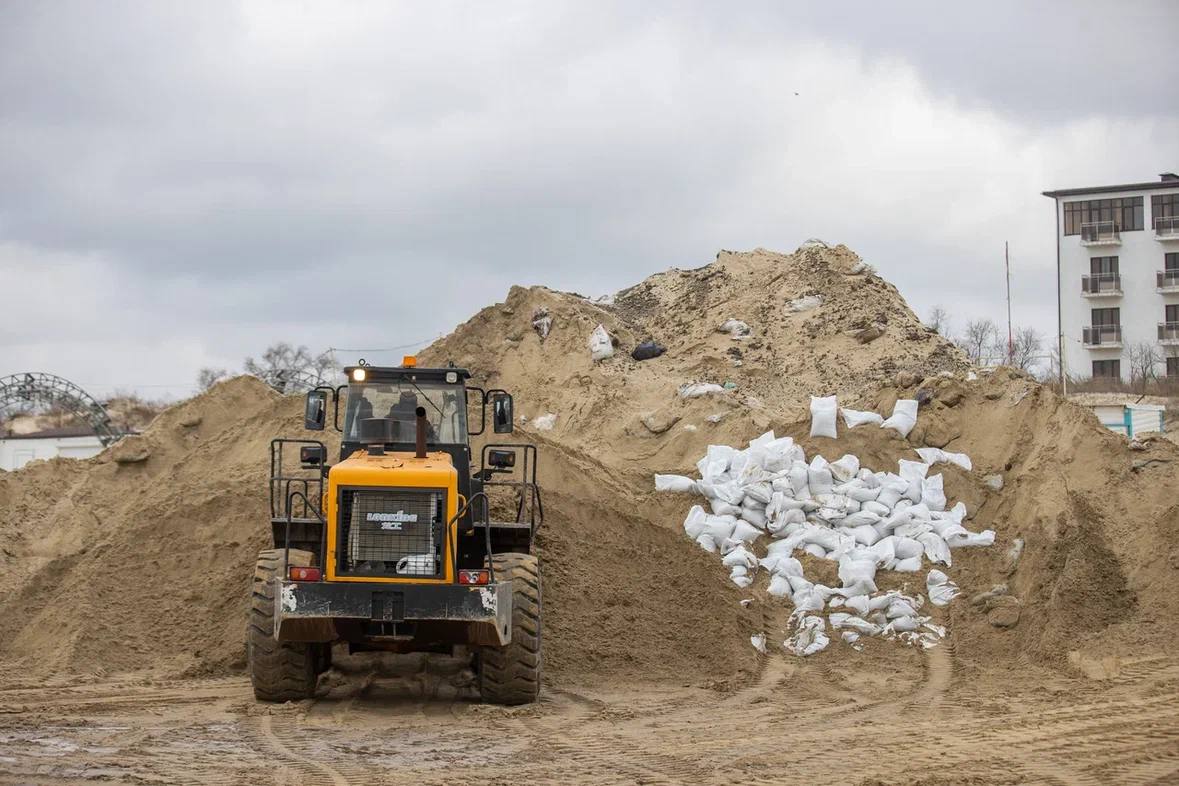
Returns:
(37, 387)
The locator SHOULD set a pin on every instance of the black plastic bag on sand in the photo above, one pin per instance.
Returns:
(648, 350)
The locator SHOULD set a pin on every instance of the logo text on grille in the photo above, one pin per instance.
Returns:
(393, 521)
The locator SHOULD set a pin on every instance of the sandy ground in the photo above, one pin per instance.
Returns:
(410, 721)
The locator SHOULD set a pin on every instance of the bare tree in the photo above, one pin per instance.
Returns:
(1143, 357)
(977, 339)
(289, 369)
(1026, 348)
(208, 377)
(939, 321)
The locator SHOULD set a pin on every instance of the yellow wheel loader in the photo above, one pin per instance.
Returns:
(393, 547)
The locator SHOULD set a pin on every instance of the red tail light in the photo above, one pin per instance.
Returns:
(474, 577)
(305, 574)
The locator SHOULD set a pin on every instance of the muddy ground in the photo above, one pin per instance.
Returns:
(411, 720)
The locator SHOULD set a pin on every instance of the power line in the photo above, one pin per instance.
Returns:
(386, 349)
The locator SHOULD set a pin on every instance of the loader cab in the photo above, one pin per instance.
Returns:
(379, 406)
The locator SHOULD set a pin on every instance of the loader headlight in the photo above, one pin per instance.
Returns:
(358, 374)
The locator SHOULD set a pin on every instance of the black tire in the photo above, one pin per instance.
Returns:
(279, 671)
(511, 674)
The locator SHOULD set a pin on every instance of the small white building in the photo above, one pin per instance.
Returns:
(16, 450)
(1125, 413)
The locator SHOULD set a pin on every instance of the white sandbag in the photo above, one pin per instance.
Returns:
(735, 328)
(779, 587)
(863, 494)
(961, 539)
(883, 601)
(808, 600)
(809, 638)
(883, 511)
(853, 417)
(731, 492)
(845, 468)
(754, 517)
(818, 477)
(865, 534)
(799, 583)
(804, 303)
(721, 508)
(758, 640)
(740, 556)
(939, 456)
(858, 604)
(933, 494)
(936, 550)
(939, 588)
(763, 440)
(759, 492)
(907, 548)
(600, 345)
(740, 576)
(782, 564)
(884, 550)
(903, 418)
(911, 565)
(862, 626)
(823, 411)
(815, 550)
(676, 483)
(904, 624)
(719, 528)
(860, 519)
(715, 462)
(853, 640)
(694, 523)
(858, 574)
(745, 532)
(706, 542)
(900, 607)
(799, 476)
(697, 389)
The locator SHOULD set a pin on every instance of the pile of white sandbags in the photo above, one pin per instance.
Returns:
(862, 519)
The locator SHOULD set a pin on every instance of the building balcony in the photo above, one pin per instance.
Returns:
(1100, 233)
(1166, 228)
(1102, 337)
(1166, 280)
(1101, 285)
(1169, 333)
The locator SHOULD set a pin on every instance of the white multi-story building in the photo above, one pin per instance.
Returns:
(1117, 276)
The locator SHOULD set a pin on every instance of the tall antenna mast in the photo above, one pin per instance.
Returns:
(1010, 335)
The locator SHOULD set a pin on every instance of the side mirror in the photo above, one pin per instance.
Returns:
(501, 414)
(502, 459)
(311, 456)
(315, 412)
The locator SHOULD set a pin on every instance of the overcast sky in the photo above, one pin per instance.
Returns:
(182, 184)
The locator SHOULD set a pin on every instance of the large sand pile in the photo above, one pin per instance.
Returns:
(112, 567)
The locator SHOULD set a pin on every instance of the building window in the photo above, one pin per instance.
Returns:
(1107, 369)
(1164, 206)
(1171, 261)
(1102, 266)
(1107, 317)
(1172, 314)
(1126, 213)
(1173, 367)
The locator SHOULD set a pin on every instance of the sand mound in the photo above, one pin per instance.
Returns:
(109, 566)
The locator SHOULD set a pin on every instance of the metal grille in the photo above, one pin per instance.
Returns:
(391, 533)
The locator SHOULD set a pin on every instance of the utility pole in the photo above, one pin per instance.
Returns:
(1010, 335)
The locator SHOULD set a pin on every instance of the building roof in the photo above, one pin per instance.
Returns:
(1166, 180)
(54, 433)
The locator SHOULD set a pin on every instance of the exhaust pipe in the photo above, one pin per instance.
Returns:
(421, 435)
